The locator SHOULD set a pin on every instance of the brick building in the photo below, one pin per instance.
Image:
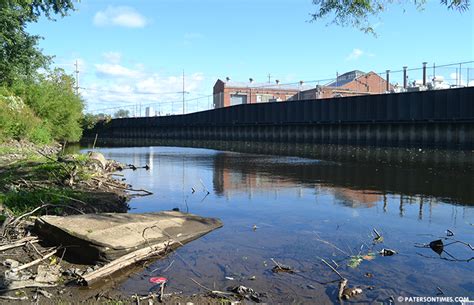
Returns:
(229, 93)
(352, 83)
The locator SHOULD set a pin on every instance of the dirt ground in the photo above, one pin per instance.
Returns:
(102, 191)
(70, 291)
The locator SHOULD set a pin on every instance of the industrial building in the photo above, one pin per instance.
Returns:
(229, 93)
(353, 83)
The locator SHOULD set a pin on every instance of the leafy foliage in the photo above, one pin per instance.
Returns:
(41, 110)
(37, 107)
(90, 120)
(32, 9)
(52, 98)
(24, 201)
(122, 113)
(19, 55)
(17, 121)
(356, 13)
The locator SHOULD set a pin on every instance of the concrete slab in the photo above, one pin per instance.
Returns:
(104, 237)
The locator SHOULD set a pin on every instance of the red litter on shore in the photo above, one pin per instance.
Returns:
(158, 280)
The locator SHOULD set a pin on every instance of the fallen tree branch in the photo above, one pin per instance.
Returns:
(214, 292)
(36, 261)
(6, 297)
(126, 260)
(16, 221)
(140, 190)
(332, 245)
(332, 268)
(19, 243)
(26, 284)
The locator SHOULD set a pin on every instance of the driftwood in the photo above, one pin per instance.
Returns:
(126, 260)
(36, 261)
(6, 297)
(26, 284)
(217, 293)
(19, 243)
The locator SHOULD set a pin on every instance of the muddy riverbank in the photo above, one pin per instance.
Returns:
(38, 180)
(43, 180)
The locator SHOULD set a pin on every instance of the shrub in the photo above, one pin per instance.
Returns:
(18, 121)
(52, 100)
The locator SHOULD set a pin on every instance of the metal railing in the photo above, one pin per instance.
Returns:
(424, 77)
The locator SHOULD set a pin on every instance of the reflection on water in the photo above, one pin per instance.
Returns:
(295, 203)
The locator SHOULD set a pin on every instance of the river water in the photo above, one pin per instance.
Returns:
(299, 206)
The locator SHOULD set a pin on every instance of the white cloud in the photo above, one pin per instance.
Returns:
(116, 70)
(163, 93)
(156, 83)
(112, 57)
(120, 16)
(125, 87)
(355, 54)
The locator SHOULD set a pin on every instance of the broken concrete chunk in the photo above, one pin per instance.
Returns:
(11, 263)
(17, 276)
(104, 237)
(47, 274)
(98, 158)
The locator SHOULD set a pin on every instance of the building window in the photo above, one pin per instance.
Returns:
(238, 99)
(263, 98)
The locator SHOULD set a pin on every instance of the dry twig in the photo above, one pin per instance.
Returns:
(36, 261)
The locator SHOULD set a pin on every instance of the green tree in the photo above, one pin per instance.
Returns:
(20, 57)
(356, 13)
(51, 97)
(122, 113)
(90, 120)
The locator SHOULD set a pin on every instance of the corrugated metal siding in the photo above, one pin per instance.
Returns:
(441, 105)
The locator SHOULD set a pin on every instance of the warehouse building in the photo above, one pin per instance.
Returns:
(230, 93)
(352, 83)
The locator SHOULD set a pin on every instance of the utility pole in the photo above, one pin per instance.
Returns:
(77, 78)
(183, 93)
(269, 78)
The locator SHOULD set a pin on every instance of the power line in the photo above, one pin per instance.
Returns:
(185, 102)
(132, 93)
(77, 78)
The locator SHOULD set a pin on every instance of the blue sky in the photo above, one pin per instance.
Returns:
(133, 52)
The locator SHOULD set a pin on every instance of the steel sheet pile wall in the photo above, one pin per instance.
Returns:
(428, 118)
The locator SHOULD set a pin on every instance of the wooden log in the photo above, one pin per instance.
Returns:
(36, 261)
(25, 284)
(127, 260)
(19, 243)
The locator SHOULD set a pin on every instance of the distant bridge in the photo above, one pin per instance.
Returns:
(438, 118)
